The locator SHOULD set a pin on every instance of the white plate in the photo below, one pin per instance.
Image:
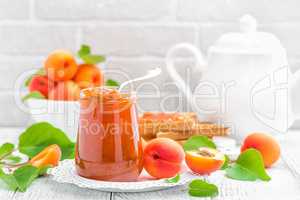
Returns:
(65, 173)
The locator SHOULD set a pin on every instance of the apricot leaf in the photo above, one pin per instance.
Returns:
(6, 149)
(93, 59)
(249, 164)
(198, 141)
(174, 179)
(84, 50)
(226, 162)
(85, 54)
(13, 159)
(33, 95)
(40, 135)
(44, 170)
(21, 178)
(238, 172)
(9, 180)
(25, 175)
(200, 188)
(111, 82)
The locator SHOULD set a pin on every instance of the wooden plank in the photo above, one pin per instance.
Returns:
(5, 193)
(291, 151)
(8, 135)
(282, 186)
(177, 193)
(47, 189)
(284, 183)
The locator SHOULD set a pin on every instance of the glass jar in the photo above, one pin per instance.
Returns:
(108, 143)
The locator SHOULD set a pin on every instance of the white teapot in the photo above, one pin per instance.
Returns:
(246, 83)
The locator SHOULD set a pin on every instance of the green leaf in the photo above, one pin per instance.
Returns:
(6, 149)
(41, 135)
(25, 176)
(85, 54)
(174, 179)
(197, 141)
(84, 50)
(41, 71)
(92, 59)
(200, 188)
(111, 82)
(28, 80)
(33, 95)
(252, 161)
(238, 172)
(9, 180)
(43, 170)
(13, 159)
(225, 165)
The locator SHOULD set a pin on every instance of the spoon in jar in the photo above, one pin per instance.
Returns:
(150, 74)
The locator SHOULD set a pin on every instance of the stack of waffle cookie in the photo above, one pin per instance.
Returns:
(177, 126)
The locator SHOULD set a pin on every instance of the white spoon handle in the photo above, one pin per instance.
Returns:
(150, 74)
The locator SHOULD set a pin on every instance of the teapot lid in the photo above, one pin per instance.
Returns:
(248, 40)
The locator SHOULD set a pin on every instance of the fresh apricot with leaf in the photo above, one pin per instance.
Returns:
(50, 156)
(265, 144)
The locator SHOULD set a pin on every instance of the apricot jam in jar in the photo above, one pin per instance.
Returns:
(108, 143)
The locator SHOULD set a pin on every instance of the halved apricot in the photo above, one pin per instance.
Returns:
(204, 160)
(49, 156)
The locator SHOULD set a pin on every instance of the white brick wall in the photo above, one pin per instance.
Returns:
(14, 9)
(136, 40)
(105, 9)
(133, 34)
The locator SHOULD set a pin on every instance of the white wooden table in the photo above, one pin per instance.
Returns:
(285, 183)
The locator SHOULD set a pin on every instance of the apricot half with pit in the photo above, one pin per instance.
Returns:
(204, 160)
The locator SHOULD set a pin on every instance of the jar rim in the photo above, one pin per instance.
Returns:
(125, 94)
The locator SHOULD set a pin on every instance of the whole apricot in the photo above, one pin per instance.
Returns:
(204, 160)
(88, 76)
(49, 156)
(163, 158)
(60, 65)
(65, 91)
(41, 84)
(265, 144)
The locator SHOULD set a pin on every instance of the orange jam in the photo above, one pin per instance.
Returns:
(108, 144)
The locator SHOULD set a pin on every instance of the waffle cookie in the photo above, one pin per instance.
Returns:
(152, 122)
(209, 130)
(177, 126)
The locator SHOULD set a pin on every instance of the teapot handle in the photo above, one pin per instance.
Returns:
(200, 63)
